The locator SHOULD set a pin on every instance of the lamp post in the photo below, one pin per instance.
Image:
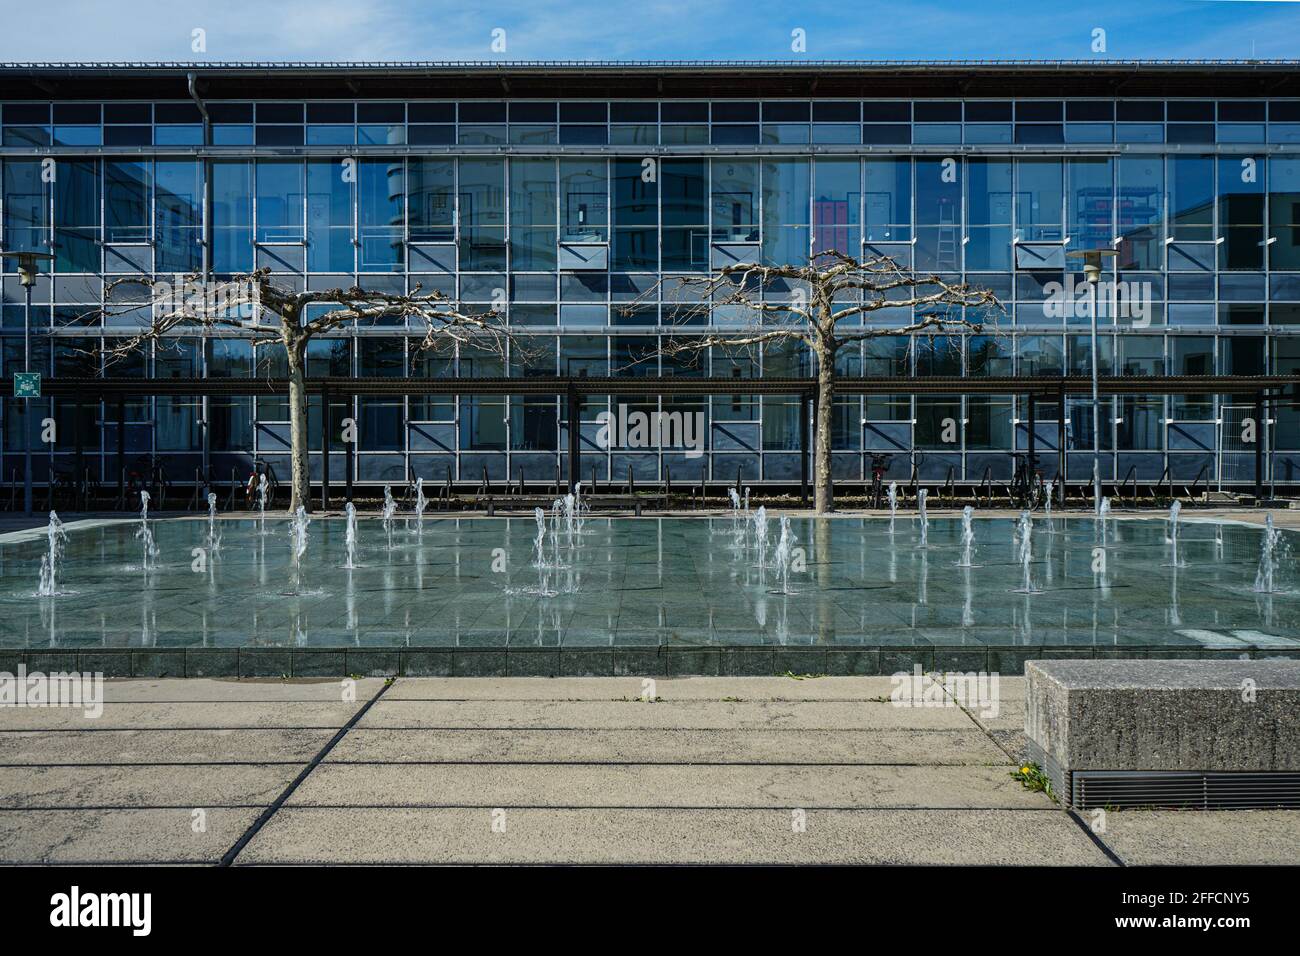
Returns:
(28, 266)
(1092, 273)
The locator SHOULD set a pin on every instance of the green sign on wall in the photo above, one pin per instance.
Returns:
(27, 384)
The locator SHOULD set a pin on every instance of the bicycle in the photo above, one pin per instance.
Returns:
(1027, 487)
(879, 466)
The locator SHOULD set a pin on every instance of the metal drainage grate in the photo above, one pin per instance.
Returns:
(1184, 790)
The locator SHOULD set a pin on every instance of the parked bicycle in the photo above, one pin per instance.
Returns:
(1027, 488)
(879, 467)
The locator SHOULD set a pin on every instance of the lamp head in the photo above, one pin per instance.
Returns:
(27, 265)
(1091, 262)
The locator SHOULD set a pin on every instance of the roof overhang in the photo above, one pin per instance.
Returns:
(650, 80)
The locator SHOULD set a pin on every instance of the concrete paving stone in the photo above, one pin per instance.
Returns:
(145, 786)
(161, 746)
(615, 688)
(931, 747)
(569, 785)
(121, 836)
(1010, 717)
(1204, 837)
(198, 690)
(149, 716)
(681, 715)
(1035, 837)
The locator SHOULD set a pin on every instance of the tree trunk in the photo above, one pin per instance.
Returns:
(300, 477)
(824, 495)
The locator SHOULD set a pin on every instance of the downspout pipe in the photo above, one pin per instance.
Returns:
(191, 81)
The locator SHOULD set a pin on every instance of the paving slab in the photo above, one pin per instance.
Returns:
(156, 716)
(200, 689)
(932, 747)
(641, 785)
(1203, 837)
(41, 748)
(619, 688)
(1011, 837)
(681, 715)
(145, 786)
(121, 836)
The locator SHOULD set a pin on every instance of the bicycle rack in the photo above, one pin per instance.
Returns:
(234, 489)
(1163, 476)
(198, 484)
(1131, 473)
(1191, 492)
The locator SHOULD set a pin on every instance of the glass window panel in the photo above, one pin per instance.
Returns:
(1141, 355)
(1040, 355)
(989, 355)
(329, 217)
(989, 192)
(380, 215)
(281, 186)
(178, 214)
(1191, 198)
(584, 197)
(735, 200)
(836, 202)
(26, 206)
(533, 249)
(126, 201)
(482, 192)
(1284, 212)
(532, 192)
(785, 192)
(685, 187)
(636, 196)
(938, 192)
(432, 201)
(1241, 212)
(887, 215)
(1138, 214)
(1038, 200)
(232, 216)
(76, 216)
(1091, 203)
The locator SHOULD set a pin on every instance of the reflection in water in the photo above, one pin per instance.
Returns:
(657, 581)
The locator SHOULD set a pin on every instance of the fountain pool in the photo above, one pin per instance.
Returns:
(652, 581)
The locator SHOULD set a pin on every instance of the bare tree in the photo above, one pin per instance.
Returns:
(823, 296)
(256, 309)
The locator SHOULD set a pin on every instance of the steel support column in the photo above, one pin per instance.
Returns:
(324, 451)
(575, 439)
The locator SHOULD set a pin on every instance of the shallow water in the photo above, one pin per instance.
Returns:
(473, 581)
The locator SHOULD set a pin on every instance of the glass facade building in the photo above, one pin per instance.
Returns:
(573, 196)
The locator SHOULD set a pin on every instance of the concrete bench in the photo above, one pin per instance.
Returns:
(1166, 733)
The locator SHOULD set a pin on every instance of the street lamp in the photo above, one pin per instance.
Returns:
(28, 266)
(1092, 273)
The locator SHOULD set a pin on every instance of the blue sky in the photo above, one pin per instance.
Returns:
(647, 29)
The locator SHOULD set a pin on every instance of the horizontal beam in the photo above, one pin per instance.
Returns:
(675, 385)
(652, 79)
